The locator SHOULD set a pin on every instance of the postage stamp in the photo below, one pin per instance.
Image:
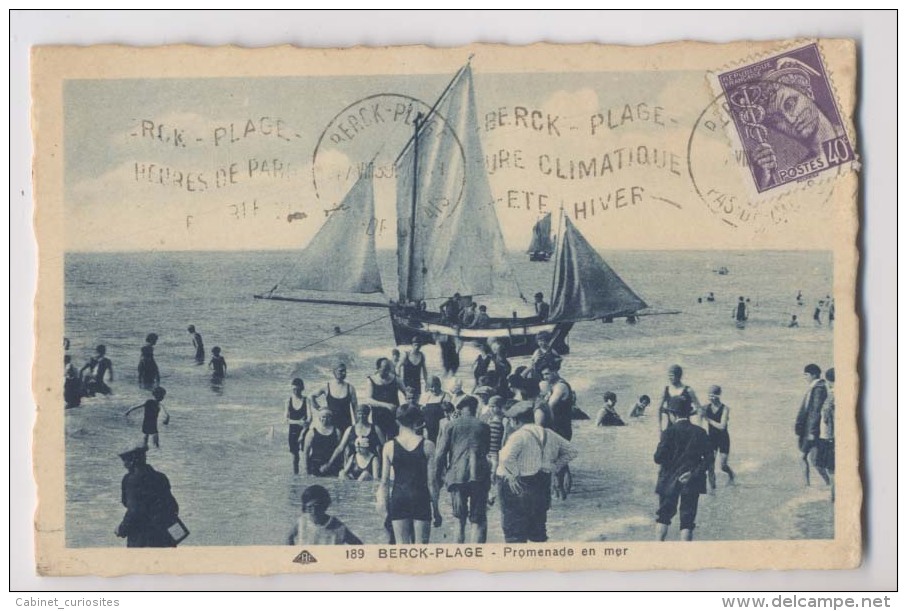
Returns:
(417, 310)
(786, 116)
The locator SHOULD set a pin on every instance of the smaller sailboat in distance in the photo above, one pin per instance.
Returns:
(449, 242)
(542, 246)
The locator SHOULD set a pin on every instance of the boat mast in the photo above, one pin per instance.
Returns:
(412, 211)
(419, 121)
(557, 248)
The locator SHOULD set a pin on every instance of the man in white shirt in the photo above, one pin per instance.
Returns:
(526, 462)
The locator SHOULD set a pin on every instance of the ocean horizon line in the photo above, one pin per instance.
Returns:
(390, 250)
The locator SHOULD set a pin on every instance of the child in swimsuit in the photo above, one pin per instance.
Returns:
(296, 414)
(153, 408)
(608, 415)
(315, 526)
(198, 344)
(716, 417)
(361, 429)
(218, 364)
(640, 408)
(363, 465)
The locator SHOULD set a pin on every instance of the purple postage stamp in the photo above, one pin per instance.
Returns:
(786, 118)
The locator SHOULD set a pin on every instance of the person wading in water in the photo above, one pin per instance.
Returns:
(717, 415)
(319, 445)
(149, 374)
(198, 344)
(404, 492)
(683, 455)
(525, 464)
(341, 398)
(559, 399)
(384, 388)
(432, 410)
(150, 506)
(808, 424)
(412, 369)
(676, 392)
(462, 451)
(361, 429)
(298, 418)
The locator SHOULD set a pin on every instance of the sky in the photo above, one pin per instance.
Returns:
(634, 158)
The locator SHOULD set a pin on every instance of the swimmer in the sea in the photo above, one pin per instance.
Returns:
(677, 396)
(86, 375)
(218, 364)
(153, 408)
(198, 344)
(103, 369)
(149, 374)
(608, 415)
(741, 311)
(640, 408)
(72, 386)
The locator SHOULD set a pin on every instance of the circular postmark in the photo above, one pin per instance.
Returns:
(725, 180)
(375, 135)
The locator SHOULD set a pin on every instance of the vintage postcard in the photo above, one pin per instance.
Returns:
(416, 310)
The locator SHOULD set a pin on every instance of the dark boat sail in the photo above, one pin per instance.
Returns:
(449, 241)
(541, 247)
(585, 287)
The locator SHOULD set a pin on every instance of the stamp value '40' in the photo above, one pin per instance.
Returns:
(786, 118)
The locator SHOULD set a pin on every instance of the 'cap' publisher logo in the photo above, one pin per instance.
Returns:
(304, 557)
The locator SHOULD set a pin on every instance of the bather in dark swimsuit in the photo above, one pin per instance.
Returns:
(410, 498)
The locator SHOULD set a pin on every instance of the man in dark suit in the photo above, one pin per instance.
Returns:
(463, 452)
(809, 417)
(683, 454)
(150, 506)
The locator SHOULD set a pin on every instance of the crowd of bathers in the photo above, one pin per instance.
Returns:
(507, 440)
(825, 307)
(94, 377)
(405, 431)
(88, 381)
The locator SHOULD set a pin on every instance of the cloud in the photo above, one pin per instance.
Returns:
(573, 104)
(124, 198)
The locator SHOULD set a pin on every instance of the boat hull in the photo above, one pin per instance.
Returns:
(518, 335)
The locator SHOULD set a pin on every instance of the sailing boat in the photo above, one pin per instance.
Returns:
(541, 247)
(449, 241)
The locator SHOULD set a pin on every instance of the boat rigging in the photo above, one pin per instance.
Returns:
(443, 221)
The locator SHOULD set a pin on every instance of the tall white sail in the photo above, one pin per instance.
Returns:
(341, 257)
(456, 243)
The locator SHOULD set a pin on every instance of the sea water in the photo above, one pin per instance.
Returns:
(225, 449)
